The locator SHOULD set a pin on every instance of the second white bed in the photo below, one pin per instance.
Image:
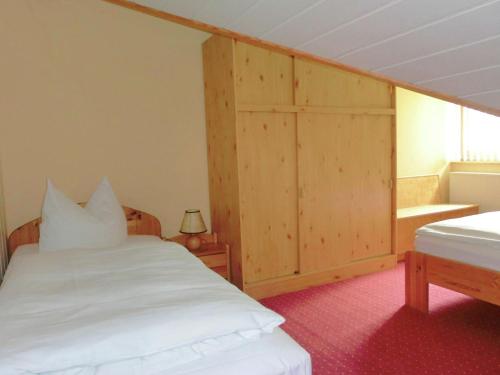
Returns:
(473, 240)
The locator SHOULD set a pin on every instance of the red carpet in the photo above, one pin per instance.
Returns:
(361, 326)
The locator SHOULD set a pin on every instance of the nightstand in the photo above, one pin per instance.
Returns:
(214, 254)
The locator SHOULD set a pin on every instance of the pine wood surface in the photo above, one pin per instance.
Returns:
(268, 194)
(416, 283)
(418, 191)
(345, 192)
(412, 212)
(220, 112)
(394, 173)
(287, 284)
(287, 108)
(263, 76)
(213, 253)
(422, 269)
(321, 85)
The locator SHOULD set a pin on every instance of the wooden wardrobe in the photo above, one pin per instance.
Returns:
(301, 166)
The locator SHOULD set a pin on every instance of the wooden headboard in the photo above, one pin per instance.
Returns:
(138, 222)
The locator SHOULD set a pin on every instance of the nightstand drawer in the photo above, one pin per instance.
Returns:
(221, 271)
(215, 255)
(212, 261)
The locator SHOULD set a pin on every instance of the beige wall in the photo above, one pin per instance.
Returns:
(427, 131)
(91, 89)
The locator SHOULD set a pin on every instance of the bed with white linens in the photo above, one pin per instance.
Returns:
(461, 254)
(144, 307)
(93, 290)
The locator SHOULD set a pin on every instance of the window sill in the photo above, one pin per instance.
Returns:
(473, 166)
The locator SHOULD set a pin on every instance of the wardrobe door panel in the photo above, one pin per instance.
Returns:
(322, 85)
(344, 171)
(263, 76)
(267, 159)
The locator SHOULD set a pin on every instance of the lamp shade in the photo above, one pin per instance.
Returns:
(192, 222)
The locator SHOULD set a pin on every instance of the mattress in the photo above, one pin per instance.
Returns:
(273, 354)
(473, 240)
(144, 307)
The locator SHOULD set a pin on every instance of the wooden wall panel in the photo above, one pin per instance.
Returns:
(268, 186)
(262, 76)
(218, 57)
(345, 171)
(321, 85)
(418, 191)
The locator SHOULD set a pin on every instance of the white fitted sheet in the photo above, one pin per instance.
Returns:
(473, 240)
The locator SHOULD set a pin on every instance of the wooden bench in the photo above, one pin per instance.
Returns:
(420, 203)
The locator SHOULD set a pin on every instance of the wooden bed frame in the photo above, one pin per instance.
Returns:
(423, 269)
(138, 222)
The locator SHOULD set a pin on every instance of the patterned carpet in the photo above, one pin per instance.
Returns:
(361, 326)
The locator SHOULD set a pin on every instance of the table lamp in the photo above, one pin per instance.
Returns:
(193, 224)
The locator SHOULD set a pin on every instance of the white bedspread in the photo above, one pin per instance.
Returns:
(71, 312)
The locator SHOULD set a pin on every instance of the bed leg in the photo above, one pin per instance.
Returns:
(417, 286)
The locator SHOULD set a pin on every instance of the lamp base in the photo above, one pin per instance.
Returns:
(193, 243)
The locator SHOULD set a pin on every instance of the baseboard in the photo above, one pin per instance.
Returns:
(292, 283)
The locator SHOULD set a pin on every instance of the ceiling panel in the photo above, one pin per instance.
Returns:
(318, 19)
(454, 32)
(211, 13)
(489, 99)
(450, 46)
(467, 83)
(267, 14)
(374, 29)
(474, 57)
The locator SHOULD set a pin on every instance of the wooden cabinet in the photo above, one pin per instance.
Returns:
(213, 253)
(301, 164)
(214, 256)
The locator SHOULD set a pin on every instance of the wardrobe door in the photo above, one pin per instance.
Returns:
(344, 164)
(267, 159)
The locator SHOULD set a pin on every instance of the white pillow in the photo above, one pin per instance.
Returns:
(66, 225)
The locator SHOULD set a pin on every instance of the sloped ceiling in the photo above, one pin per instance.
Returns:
(448, 46)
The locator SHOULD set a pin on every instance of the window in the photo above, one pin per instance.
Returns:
(480, 136)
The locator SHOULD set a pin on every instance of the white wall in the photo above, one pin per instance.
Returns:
(88, 89)
(476, 188)
(427, 129)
